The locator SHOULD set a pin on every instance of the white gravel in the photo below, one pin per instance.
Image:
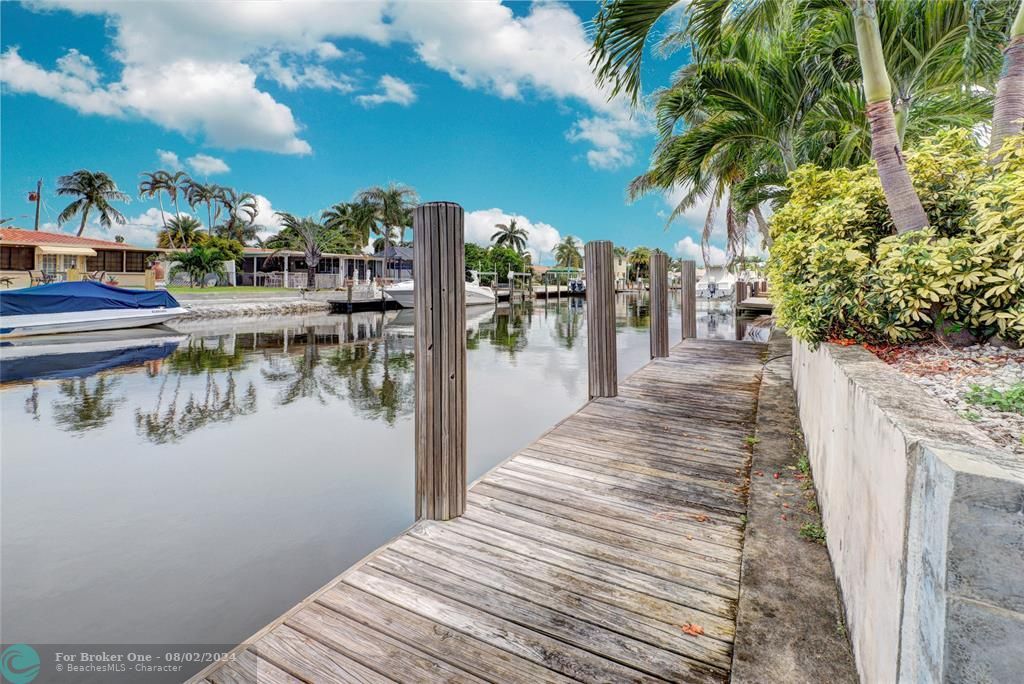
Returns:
(950, 373)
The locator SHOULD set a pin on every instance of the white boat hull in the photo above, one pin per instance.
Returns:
(405, 295)
(85, 321)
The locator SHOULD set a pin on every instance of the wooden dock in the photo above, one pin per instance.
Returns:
(606, 551)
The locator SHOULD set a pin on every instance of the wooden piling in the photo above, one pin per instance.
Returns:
(440, 296)
(659, 304)
(688, 292)
(601, 355)
(740, 293)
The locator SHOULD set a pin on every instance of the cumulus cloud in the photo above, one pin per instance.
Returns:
(207, 165)
(541, 237)
(391, 89)
(205, 81)
(688, 248)
(169, 160)
(267, 221)
(140, 230)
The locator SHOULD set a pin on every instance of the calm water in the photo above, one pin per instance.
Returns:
(223, 473)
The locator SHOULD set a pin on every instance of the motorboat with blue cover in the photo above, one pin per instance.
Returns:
(82, 307)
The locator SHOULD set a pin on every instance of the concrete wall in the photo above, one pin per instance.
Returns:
(924, 523)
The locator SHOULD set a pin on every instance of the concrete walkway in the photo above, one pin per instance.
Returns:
(789, 625)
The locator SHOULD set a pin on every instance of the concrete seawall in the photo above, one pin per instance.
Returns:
(924, 518)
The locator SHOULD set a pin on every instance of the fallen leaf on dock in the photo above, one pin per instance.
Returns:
(701, 518)
(692, 629)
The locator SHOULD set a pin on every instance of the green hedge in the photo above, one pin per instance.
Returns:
(839, 272)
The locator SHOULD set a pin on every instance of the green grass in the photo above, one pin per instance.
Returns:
(228, 290)
(1010, 400)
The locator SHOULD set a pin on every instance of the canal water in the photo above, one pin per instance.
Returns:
(191, 487)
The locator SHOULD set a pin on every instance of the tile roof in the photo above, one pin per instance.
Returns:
(41, 237)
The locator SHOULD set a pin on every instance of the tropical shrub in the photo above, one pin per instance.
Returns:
(197, 263)
(838, 270)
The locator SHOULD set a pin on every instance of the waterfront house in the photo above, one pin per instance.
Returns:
(264, 267)
(399, 266)
(53, 257)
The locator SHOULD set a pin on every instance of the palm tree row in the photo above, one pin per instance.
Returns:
(773, 84)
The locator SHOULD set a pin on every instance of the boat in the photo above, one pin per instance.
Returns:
(79, 355)
(476, 294)
(82, 307)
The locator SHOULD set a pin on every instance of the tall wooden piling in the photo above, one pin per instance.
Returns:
(659, 304)
(688, 292)
(602, 362)
(440, 296)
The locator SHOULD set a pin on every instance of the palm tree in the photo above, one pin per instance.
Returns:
(510, 235)
(155, 184)
(197, 263)
(1009, 107)
(94, 190)
(354, 219)
(567, 253)
(381, 242)
(197, 193)
(306, 235)
(393, 205)
(640, 260)
(182, 231)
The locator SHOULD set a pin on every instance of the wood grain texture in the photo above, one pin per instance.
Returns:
(440, 415)
(659, 304)
(688, 292)
(580, 558)
(602, 357)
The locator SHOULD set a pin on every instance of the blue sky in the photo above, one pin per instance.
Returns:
(485, 104)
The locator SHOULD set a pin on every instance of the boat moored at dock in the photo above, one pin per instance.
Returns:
(82, 307)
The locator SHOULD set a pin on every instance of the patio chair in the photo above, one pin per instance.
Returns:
(37, 278)
(98, 276)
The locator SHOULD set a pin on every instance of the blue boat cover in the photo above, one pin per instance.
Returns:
(79, 296)
(79, 365)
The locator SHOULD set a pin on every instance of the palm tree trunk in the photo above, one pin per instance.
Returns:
(310, 276)
(85, 217)
(904, 204)
(163, 218)
(1009, 107)
(762, 225)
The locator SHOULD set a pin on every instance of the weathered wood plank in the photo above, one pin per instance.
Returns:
(580, 558)
(449, 645)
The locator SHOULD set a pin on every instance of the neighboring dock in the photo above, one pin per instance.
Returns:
(607, 550)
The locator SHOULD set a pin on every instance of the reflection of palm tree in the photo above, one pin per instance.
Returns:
(162, 426)
(504, 331)
(378, 382)
(197, 358)
(85, 406)
(302, 379)
(569, 324)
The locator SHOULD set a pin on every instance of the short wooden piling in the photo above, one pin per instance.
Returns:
(601, 355)
(688, 292)
(659, 304)
(440, 296)
(740, 292)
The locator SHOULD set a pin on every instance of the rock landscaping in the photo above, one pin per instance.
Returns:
(983, 383)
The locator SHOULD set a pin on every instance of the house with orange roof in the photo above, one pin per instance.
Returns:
(28, 257)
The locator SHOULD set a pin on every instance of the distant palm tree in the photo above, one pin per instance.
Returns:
(309, 236)
(182, 231)
(380, 243)
(393, 204)
(510, 235)
(640, 260)
(567, 253)
(356, 219)
(197, 193)
(94, 190)
(155, 184)
(197, 263)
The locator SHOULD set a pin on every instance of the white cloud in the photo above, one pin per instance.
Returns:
(688, 248)
(140, 230)
(267, 221)
(204, 80)
(169, 160)
(392, 89)
(207, 165)
(292, 74)
(541, 237)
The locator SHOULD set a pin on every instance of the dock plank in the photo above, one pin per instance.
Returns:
(581, 558)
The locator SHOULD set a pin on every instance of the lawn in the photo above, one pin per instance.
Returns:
(227, 289)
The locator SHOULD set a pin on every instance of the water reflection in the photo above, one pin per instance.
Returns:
(209, 481)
